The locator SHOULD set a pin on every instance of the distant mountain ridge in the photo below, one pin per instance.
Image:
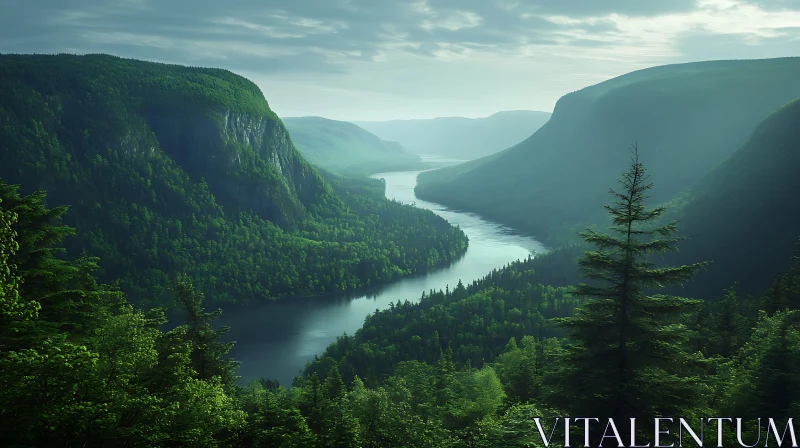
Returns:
(344, 147)
(459, 137)
(685, 117)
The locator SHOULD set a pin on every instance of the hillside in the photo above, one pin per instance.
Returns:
(460, 138)
(744, 214)
(345, 148)
(686, 118)
(169, 169)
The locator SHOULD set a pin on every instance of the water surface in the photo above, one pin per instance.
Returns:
(276, 339)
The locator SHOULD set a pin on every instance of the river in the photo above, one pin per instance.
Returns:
(276, 339)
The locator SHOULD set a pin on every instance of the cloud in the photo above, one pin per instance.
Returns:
(363, 45)
(351, 29)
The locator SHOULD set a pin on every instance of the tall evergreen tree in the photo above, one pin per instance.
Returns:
(729, 330)
(12, 307)
(784, 294)
(628, 356)
(207, 351)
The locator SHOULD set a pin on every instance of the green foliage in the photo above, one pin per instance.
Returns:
(467, 367)
(12, 306)
(523, 369)
(207, 352)
(477, 321)
(763, 376)
(89, 369)
(174, 169)
(629, 355)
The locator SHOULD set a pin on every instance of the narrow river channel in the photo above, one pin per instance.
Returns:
(276, 339)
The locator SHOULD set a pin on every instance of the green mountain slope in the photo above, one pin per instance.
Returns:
(744, 215)
(476, 320)
(685, 118)
(171, 169)
(343, 147)
(458, 137)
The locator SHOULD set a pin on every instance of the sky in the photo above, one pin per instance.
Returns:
(400, 59)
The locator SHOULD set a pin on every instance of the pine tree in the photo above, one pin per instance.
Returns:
(763, 376)
(784, 294)
(334, 385)
(730, 326)
(207, 352)
(628, 357)
(38, 234)
(12, 307)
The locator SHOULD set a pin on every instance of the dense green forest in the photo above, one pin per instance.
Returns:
(468, 367)
(178, 187)
(460, 138)
(345, 148)
(686, 118)
(171, 169)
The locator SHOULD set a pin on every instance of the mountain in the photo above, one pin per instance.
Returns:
(343, 147)
(170, 169)
(744, 215)
(457, 137)
(685, 118)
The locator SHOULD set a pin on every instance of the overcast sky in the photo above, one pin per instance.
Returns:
(386, 59)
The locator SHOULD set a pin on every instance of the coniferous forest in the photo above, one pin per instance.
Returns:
(133, 190)
(179, 169)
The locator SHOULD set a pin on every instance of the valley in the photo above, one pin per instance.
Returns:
(180, 266)
(276, 339)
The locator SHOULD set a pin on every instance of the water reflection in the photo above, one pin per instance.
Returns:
(277, 339)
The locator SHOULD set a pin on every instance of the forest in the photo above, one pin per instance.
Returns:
(471, 366)
(176, 169)
(726, 171)
(132, 190)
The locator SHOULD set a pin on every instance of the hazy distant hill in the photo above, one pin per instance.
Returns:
(460, 138)
(685, 117)
(343, 147)
(744, 215)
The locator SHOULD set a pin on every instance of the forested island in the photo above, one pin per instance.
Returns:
(131, 188)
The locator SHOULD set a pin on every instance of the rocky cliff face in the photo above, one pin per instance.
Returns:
(248, 160)
(104, 111)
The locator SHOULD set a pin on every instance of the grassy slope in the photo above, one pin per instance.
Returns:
(170, 169)
(461, 138)
(685, 118)
(345, 148)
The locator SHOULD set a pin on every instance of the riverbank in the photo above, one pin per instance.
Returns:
(276, 339)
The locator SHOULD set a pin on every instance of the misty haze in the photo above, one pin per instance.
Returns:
(399, 224)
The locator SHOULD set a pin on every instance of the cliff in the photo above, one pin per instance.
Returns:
(171, 169)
